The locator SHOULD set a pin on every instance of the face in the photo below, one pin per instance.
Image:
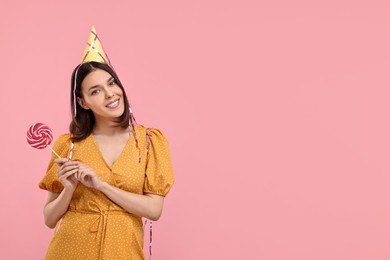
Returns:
(102, 95)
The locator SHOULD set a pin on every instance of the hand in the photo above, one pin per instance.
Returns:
(66, 173)
(87, 176)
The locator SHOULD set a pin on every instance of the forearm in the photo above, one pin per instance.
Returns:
(54, 210)
(148, 206)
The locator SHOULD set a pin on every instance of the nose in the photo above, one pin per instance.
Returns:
(109, 94)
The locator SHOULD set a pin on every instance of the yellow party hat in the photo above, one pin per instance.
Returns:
(94, 49)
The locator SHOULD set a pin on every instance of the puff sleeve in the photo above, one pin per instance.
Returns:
(50, 182)
(159, 175)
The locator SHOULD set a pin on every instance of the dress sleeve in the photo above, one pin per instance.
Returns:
(50, 182)
(159, 175)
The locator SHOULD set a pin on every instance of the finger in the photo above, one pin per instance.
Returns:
(70, 163)
(61, 161)
(82, 166)
(62, 171)
(84, 176)
(69, 173)
(73, 179)
(80, 174)
(69, 167)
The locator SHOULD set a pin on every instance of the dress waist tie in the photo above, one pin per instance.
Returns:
(99, 224)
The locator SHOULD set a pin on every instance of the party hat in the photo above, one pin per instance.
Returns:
(94, 49)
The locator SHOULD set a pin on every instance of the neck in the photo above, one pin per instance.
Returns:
(108, 128)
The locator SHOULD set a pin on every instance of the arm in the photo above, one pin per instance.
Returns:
(57, 203)
(148, 205)
(56, 206)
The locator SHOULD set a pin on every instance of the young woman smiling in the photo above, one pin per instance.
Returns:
(112, 174)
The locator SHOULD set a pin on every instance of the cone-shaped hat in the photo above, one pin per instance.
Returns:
(94, 49)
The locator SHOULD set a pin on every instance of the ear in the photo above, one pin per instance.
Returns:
(82, 103)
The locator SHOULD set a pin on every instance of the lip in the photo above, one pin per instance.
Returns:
(112, 102)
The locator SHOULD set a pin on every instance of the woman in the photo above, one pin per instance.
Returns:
(112, 173)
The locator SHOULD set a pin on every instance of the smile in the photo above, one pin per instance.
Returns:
(113, 104)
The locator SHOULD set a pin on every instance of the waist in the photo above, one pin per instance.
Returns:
(95, 208)
(100, 211)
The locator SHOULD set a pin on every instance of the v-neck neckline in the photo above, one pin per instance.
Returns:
(101, 154)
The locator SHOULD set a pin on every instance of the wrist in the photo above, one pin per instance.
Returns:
(102, 186)
(68, 190)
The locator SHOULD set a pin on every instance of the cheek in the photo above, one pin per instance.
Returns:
(93, 100)
(119, 91)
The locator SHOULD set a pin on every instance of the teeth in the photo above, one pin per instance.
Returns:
(113, 104)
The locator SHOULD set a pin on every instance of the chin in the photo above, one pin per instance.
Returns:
(119, 114)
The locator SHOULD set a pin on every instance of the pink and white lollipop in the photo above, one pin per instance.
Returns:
(40, 136)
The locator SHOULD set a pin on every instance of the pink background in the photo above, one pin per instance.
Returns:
(277, 116)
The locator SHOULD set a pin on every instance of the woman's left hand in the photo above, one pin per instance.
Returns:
(87, 176)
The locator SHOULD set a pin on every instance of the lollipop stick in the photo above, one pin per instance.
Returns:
(59, 157)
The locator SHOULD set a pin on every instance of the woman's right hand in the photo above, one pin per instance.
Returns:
(66, 171)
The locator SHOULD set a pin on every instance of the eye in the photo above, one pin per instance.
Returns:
(112, 83)
(95, 92)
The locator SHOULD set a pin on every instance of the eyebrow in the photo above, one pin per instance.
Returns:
(109, 80)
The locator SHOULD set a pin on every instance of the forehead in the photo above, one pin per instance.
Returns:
(96, 77)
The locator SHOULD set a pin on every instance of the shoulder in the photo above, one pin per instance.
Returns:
(64, 138)
(152, 133)
(63, 141)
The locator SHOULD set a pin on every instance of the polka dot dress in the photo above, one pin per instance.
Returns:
(94, 227)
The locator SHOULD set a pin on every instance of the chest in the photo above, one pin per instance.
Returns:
(115, 161)
(111, 149)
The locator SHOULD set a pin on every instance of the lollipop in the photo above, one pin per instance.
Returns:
(40, 136)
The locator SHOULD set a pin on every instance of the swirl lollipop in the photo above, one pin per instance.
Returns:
(40, 136)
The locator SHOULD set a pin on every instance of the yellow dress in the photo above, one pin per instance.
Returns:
(94, 227)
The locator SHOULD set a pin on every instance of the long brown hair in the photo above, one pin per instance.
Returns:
(83, 120)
